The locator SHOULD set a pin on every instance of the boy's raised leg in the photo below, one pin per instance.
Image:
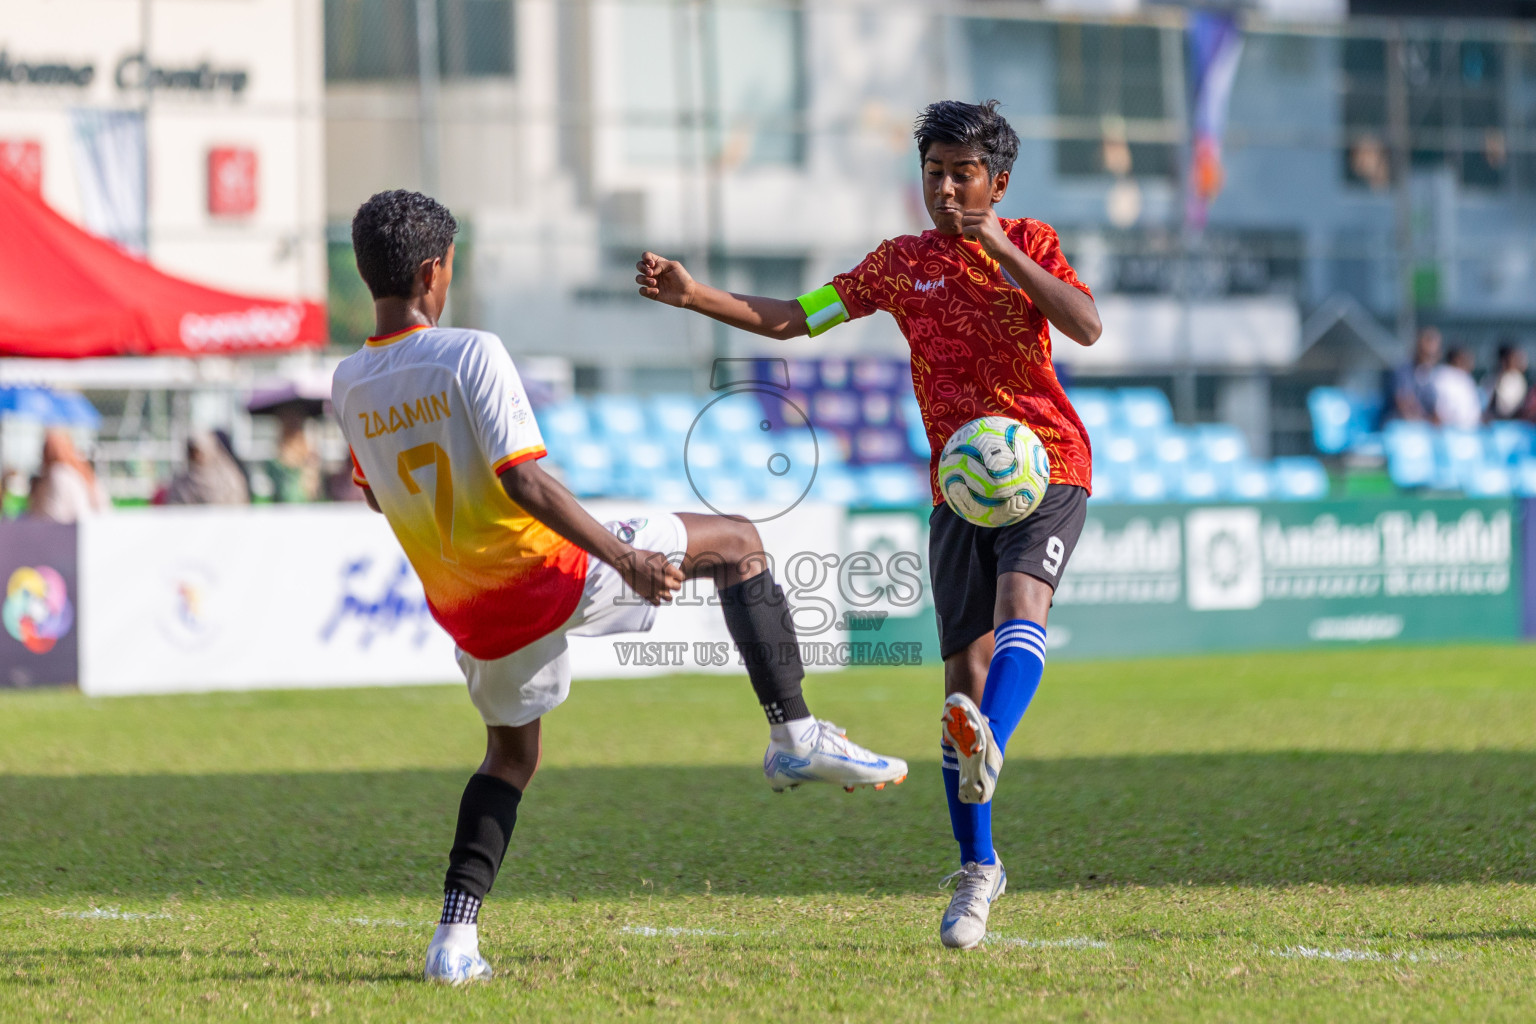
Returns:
(801, 747)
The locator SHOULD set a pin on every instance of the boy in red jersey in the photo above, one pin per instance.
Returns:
(975, 298)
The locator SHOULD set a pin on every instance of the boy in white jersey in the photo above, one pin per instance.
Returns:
(444, 444)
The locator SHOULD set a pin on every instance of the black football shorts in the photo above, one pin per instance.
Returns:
(964, 560)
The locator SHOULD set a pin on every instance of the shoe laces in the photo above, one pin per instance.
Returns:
(829, 737)
(971, 886)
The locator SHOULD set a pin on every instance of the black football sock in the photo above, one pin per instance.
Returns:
(757, 615)
(487, 814)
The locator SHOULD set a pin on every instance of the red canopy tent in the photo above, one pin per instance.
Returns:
(65, 293)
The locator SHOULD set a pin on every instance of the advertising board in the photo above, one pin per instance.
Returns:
(185, 600)
(1150, 579)
(37, 569)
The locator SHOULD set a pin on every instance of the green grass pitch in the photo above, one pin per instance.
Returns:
(1322, 837)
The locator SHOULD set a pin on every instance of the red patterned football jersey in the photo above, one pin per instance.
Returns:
(979, 346)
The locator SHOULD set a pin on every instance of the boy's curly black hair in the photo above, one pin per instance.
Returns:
(977, 125)
(393, 234)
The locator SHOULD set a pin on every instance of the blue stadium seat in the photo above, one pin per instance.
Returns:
(1107, 489)
(1116, 450)
(1299, 479)
(735, 415)
(835, 484)
(1094, 408)
(1525, 477)
(1144, 408)
(1248, 480)
(589, 469)
(1220, 444)
(1196, 483)
(1488, 480)
(1332, 419)
(617, 415)
(638, 463)
(1410, 453)
(1510, 440)
(672, 414)
(1143, 484)
(1172, 448)
(565, 423)
(835, 409)
(894, 486)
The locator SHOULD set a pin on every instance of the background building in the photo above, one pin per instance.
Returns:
(1379, 173)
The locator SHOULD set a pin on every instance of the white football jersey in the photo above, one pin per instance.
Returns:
(433, 416)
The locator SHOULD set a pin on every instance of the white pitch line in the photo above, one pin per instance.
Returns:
(649, 932)
(111, 914)
(1349, 955)
(1077, 942)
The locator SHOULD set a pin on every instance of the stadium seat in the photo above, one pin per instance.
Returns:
(1410, 451)
(1106, 488)
(735, 415)
(1220, 444)
(1144, 408)
(1145, 484)
(618, 416)
(1299, 479)
(1195, 483)
(875, 445)
(1509, 441)
(1171, 448)
(877, 409)
(1117, 450)
(1488, 480)
(1332, 419)
(589, 469)
(835, 484)
(673, 414)
(1094, 408)
(893, 486)
(565, 423)
(1524, 474)
(1248, 480)
(835, 409)
(639, 463)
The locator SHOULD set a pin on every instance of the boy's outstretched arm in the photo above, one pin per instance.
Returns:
(1069, 310)
(648, 573)
(668, 281)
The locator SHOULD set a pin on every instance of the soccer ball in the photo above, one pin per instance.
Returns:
(993, 471)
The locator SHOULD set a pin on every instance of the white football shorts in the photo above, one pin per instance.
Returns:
(534, 680)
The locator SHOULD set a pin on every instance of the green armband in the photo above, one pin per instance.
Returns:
(824, 309)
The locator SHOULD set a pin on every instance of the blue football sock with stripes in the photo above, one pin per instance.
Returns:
(1018, 662)
(972, 823)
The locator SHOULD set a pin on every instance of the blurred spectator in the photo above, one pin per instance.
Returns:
(339, 485)
(1456, 400)
(1509, 388)
(212, 476)
(1413, 390)
(295, 472)
(228, 444)
(65, 489)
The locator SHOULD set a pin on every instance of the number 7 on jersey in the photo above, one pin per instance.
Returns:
(419, 457)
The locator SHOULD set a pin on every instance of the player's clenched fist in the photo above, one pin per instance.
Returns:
(650, 575)
(984, 227)
(664, 280)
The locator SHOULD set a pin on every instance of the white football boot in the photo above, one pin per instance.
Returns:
(967, 733)
(454, 957)
(964, 924)
(828, 755)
